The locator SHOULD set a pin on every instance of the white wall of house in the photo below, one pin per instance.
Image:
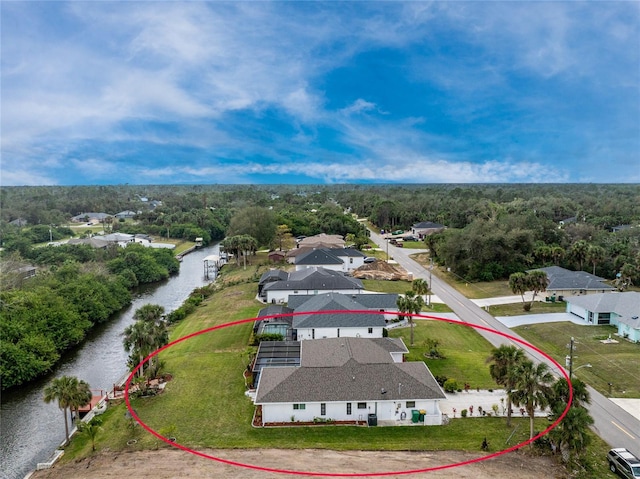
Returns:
(351, 263)
(577, 310)
(345, 332)
(282, 296)
(360, 410)
(332, 267)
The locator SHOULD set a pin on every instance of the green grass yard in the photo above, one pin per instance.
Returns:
(616, 363)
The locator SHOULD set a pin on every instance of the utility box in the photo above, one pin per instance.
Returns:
(373, 420)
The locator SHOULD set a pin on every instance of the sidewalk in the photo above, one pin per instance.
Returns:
(480, 399)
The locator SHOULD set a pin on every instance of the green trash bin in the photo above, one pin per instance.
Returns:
(415, 415)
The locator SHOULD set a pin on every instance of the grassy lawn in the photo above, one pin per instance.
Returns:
(515, 309)
(615, 363)
(465, 351)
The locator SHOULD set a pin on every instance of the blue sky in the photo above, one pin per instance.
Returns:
(319, 92)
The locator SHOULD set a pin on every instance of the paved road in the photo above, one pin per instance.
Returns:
(612, 423)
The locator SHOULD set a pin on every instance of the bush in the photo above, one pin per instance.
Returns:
(441, 380)
(463, 413)
(450, 386)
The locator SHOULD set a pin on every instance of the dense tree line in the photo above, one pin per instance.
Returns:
(76, 288)
(494, 231)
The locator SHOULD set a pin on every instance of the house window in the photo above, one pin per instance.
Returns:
(313, 334)
(338, 332)
(370, 330)
(295, 291)
(323, 409)
(351, 260)
(362, 405)
(299, 406)
(348, 409)
(411, 404)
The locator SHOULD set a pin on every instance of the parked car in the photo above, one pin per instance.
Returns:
(370, 259)
(624, 463)
(397, 232)
(410, 238)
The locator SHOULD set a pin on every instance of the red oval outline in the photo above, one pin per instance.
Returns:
(338, 474)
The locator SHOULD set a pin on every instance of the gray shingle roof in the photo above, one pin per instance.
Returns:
(564, 279)
(273, 275)
(427, 224)
(319, 257)
(626, 305)
(348, 381)
(335, 302)
(386, 301)
(315, 279)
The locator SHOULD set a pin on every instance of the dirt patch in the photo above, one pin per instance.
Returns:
(169, 463)
(381, 270)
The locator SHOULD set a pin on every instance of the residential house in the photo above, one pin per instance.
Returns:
(425, 228)
(93, 218)
(94, 242)
(618, 309)
(309, 281)
(322, 241)
(380, 302)
(20, 222)
(337, 259)
(349, 379)
(125, 214)
(269, 277)
(334, 315)
(277, 256)
(564, 282)
(620, 228)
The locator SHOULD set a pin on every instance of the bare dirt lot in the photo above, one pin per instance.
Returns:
(171, 463)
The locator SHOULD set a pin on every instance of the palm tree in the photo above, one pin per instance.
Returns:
(532, 388)
(91, 429)
(147, 334)
(578, 251)
(518, 284)
(571, 435)
(149, 312)
(80, 397)
(595, 255)
(410, 303)
(420, 287)
(506, 360)
(537, 281)
(557, 253)
(560, 398)
(136, 341)
(62, 389)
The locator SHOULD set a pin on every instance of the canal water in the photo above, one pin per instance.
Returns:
(31, 430)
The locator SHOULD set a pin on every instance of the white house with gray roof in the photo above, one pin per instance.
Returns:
(349, 379)
(564, 282)
(309, 281)
(333, 315)
(337, 259)
(618, 309)
(380, 302)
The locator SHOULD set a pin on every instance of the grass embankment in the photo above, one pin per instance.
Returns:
(616, 363)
